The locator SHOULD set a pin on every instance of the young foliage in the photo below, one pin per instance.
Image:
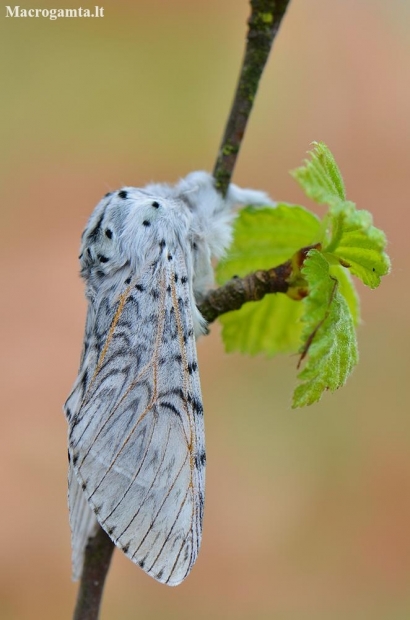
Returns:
(329, 334)
(262, 238)
(320, 177)
(350, 237)
(345, 243)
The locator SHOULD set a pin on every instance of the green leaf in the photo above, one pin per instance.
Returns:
(266, 237)
(354, 241)
(360, 247)
(347, 244)
(320, 177)
(329, 337)
(348, 290)
(269, 326)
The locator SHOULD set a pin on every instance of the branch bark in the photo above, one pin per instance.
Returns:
(285, 278)
(264, 22)
(253, 287)
(97, 560)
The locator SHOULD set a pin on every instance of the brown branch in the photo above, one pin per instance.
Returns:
(285, 278)
(96, 564)
(264, 22)
(253, 287)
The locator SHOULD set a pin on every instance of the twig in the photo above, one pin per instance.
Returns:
(264, 23)
(265, 19)
(97, 560)
(285, 278)
(236, 292)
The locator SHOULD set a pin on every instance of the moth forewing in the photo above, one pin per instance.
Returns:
(137, 441)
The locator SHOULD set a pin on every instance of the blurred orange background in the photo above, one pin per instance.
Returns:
(307, 512)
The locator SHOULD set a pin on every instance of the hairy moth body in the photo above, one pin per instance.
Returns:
(135, 415)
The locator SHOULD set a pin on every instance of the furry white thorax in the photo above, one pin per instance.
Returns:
(191, 215)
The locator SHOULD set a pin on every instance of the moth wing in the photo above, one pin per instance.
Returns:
(136, 439)
(83, 523)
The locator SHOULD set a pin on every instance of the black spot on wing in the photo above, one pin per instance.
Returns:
(201, 506)
(192, 367)
(131, 300)
(84, 380)
(95, 231)
(200, 459)
(186, 553)
(197, 406)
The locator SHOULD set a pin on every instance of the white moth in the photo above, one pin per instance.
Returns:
(135, 416)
